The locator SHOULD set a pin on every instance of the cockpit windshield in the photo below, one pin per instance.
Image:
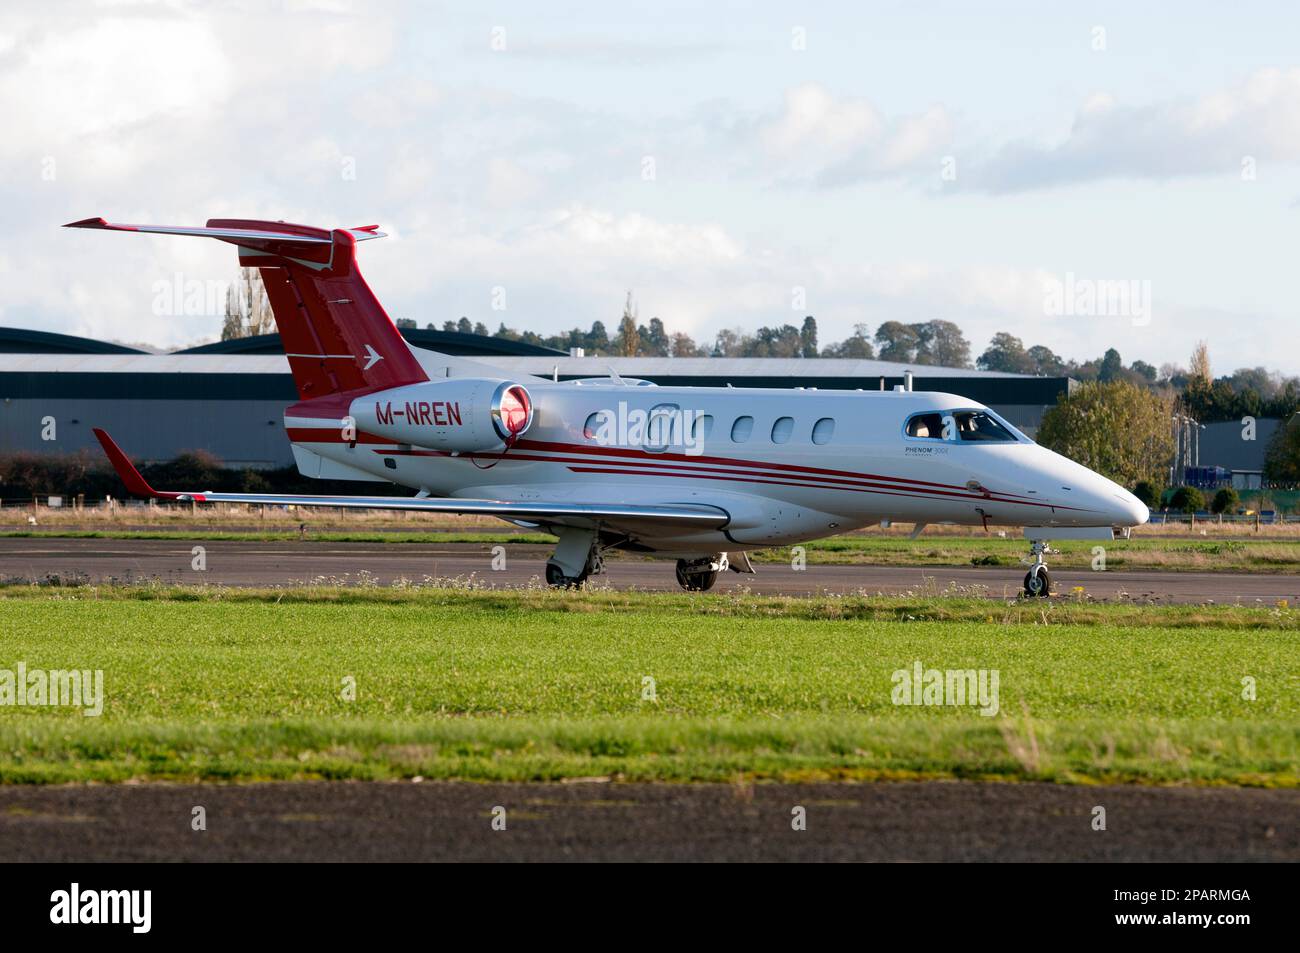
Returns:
(967, 426)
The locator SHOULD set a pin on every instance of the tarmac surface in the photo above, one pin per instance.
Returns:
(442, 821)
(251, 563)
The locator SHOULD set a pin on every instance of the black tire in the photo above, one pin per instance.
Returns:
(556, 579)
(1038, 583)
(695, 581)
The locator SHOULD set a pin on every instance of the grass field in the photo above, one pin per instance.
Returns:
(242, 685)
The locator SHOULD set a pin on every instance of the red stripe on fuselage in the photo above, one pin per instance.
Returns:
(526, 444)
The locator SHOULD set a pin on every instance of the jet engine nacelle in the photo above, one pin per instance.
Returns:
(459, 415)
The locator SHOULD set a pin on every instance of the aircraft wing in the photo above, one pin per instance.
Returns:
(681, 515)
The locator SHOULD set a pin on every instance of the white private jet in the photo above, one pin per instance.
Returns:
(699, 474)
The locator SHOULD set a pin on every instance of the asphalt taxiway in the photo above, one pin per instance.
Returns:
(442, 821)
(252, 563)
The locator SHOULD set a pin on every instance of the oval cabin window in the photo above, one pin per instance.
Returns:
(823, 430)
(742, 428)
(782, 429)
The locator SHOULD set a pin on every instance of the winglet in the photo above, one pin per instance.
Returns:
(135, 484)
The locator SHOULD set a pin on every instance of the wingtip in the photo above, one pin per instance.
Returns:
(88, 223)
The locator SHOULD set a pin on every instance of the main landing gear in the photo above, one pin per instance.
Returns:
(1038, 581)
(577, 556)
(699, 575)
(556, 579)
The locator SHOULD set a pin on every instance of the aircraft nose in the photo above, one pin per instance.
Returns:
(1128, 509)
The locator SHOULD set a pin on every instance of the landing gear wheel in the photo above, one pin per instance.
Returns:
(556, 578)
(1038, 582)
(693, 580)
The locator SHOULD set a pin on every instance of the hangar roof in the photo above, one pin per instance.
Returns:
(197, 362)
(28, 341)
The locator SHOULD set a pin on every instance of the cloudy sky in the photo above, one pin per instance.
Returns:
(883, 161)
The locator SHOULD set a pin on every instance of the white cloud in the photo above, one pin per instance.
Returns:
(837, 141)
(1259, 117)
(70, 89)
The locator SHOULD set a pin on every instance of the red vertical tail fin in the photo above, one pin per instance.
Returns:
(335, 332)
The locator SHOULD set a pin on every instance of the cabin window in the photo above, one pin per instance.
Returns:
(702, 427)
(663, 427)
(823, 430)
(741, 429)
(926, 426)
(782, 429)
(592, 426)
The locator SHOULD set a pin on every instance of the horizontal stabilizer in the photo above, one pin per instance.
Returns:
(300, 242)
(337, 336)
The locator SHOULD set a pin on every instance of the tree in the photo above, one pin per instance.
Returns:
(1119, 429)
(1200, 373)
(653, 340)
(684, 346)
(1144, 370)
(727, 343)
(1147, 492)
(941, 343)
(1111, 367)
(1005, 353)
(1172, 374)
(464, 326)
(1226, 499)
(406, 323)
(808, 337)
(597, 340)
(248, 309)
(628, 342)
(784, 341)
(1282, 458)
(858, 347)
(897, 341)
(1044, 361)
(1187, 499)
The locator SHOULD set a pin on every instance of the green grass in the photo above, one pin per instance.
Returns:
(243, 685)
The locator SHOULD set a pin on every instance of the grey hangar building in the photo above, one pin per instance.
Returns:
(228, 398)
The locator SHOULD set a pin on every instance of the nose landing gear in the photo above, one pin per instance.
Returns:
(1038, 581)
